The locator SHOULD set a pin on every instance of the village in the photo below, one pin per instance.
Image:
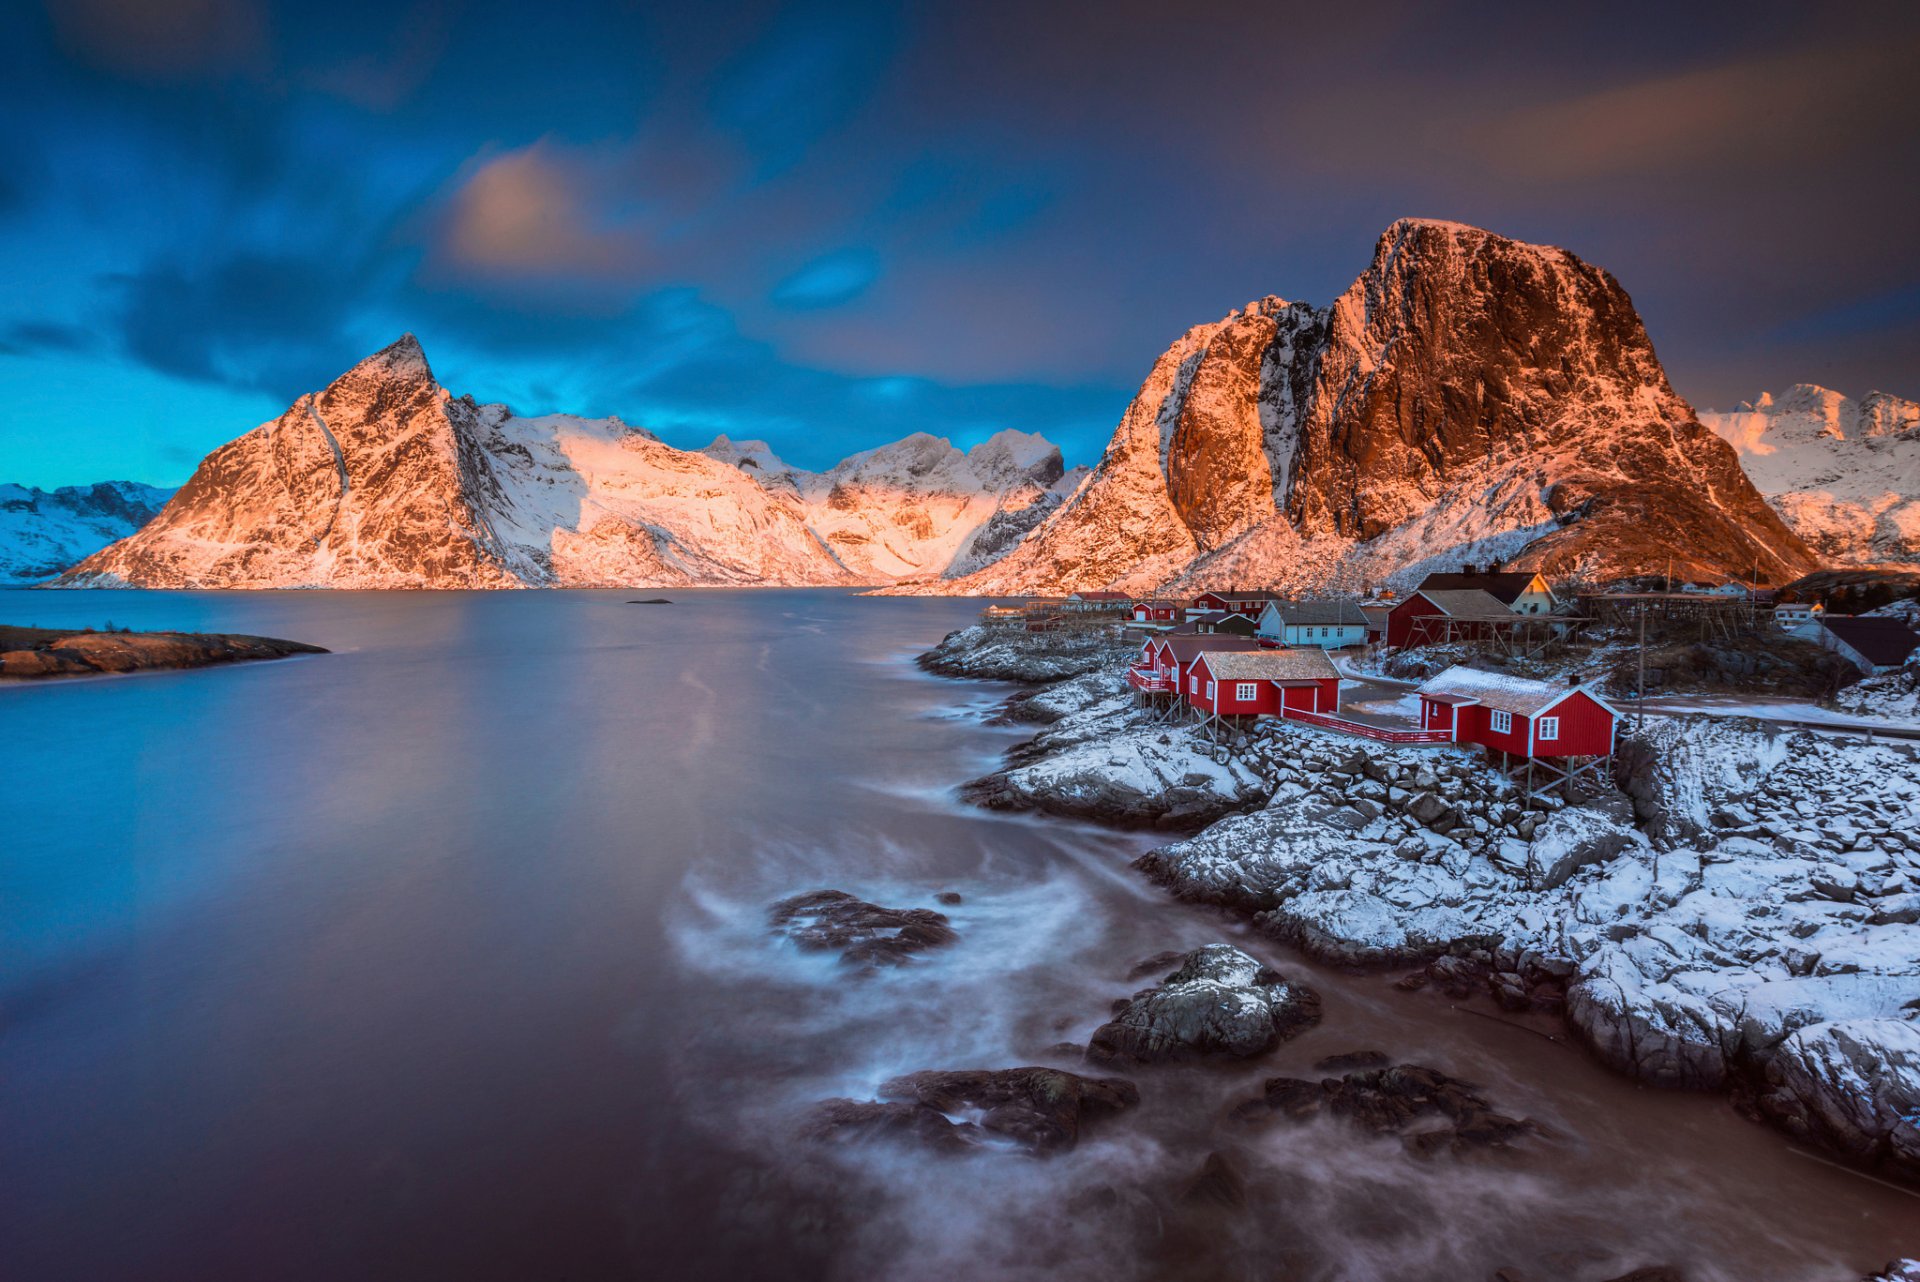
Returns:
(1537, 677)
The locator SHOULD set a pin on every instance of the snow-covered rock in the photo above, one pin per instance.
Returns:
(1844, 473)
(42, 532)
(1469, 399)
(385, 480)
(1217, 1001)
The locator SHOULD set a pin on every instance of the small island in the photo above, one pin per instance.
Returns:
(26, 653)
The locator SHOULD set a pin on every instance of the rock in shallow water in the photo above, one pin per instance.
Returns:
(1219, 1001)
(1037, 1110)
(1390, 1101)
(866, 935)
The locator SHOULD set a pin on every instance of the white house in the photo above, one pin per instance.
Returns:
(1799, 618)
(1326, 624)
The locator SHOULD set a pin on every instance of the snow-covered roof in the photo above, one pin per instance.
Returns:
(1307, 663)
(1521, 696)
(1185, 649)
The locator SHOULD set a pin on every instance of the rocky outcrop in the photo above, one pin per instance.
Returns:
(1039, 1111)
(1217, 1002)
(1843, 473)
(38, 652)
(384, 479)
(1014, 654)
(865, 935)
(1429, 1111)
(1469, 399)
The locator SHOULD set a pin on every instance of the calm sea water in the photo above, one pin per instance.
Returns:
(444, 956)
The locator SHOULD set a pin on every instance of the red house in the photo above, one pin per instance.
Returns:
(1165, 659)
(1158, 612)
(1517, 716)
(1433, 616)
(1234, 601)
(1262, 683)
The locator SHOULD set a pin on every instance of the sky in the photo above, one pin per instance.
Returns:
(828, 226)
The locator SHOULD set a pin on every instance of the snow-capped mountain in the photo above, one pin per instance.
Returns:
(919, 508)
(385, 480)
(42, 532)
(1844, 473)
(1469, 399)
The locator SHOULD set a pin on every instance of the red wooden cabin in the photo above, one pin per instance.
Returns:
(1158, 612)
(1165, 659)
(1262, 683)
(1234, 601)
(1517, 716)
(1433, 616)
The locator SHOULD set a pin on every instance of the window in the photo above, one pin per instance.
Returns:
(1193, 684)
(1548, 728)
(1323, 632)
(1502, 722)
(1210, 693)
(1246, 692)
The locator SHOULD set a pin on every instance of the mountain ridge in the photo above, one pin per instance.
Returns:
(384, 479)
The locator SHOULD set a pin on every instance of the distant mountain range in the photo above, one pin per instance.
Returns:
(384, 479)
(42, 532)
(1469, 399)
(1844, 473)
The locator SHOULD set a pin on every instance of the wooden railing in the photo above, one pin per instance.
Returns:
(1331, 722)
(1149, 681)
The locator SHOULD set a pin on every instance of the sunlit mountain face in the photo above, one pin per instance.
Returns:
(831, 228)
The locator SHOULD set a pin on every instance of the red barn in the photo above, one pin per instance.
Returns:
(1262, 683)
(1516, 716)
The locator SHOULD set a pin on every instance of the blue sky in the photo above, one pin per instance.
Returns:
(828, 226)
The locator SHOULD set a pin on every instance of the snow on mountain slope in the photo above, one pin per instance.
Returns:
(42, 532)
(919, 508)
(1469, 398)
(1844, 473)
(385, 480)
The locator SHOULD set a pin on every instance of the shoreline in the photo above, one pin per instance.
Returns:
(1299, 855)
(29, 655)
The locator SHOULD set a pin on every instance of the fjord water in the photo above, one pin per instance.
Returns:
(445, 955)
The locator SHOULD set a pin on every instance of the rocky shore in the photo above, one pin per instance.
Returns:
(1738, 909)
(1014, 654)
(28, 653)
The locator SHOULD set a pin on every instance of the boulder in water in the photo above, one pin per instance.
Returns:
(1391, 1101)
(1036, 1110)
(1218, 1001)
(865, 935)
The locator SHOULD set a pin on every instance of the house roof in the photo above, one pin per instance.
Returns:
(1185, 649)
(1464, 603)
(1521, 696)
(1160, 603)
(1338, 612)
(1505, 587)
(1376, 615)
(1883, 642)
(1305, 663)
(1238, 594)
(1101, 596)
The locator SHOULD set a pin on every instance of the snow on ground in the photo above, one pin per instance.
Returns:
(1758, 926)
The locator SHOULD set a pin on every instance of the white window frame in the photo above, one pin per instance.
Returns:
(1500, 721)
(1193, 683)
(1547, 728)
(1246, 691)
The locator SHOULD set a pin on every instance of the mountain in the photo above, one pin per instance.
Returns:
(1469, 398)
(42, 532)
(385, 480)
(919, 508)
(1844, 473)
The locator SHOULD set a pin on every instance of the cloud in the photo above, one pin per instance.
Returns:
(26, 338)
(162, 39)
(529, 214)
(829, 281)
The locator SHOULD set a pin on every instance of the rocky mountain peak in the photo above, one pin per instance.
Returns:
(1469, 398)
